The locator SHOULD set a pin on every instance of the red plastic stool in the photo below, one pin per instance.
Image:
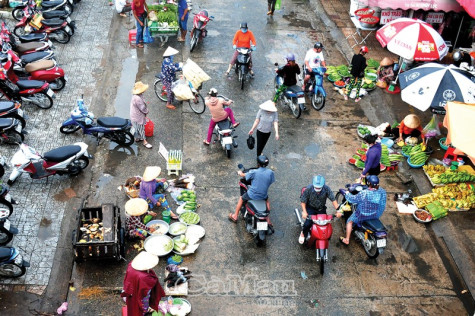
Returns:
(132, 36)
(391, 168)
(450, 152)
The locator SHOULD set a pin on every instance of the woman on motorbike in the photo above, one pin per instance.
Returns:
(242, 38)
(218, 112)
(167, 75)
(289, 73)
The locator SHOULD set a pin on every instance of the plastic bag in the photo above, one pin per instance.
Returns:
(250, 142)
(152, 16)
(278, 4)
(182, 91)
(147, 38)
(432, 128)
(149, 126)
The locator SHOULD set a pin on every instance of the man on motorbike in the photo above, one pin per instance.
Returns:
(313, 59)
(261, 179)
(289, 73)
(242, 38)
(313, 201)
(370, 204)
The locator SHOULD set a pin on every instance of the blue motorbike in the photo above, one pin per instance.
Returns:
(315, 88)
(293, 96)
(116, 129)
(12, 264)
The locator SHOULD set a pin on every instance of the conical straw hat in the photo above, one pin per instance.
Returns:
(144, 261)
(412, 121)
(386, 61)
(170, 51)
(136, 207)
(268, 106)
(151, 173)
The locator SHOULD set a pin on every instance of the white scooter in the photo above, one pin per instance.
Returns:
(71, 159)
(223, 132)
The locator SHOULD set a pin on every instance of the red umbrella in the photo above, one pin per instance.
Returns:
(469, 6)
(412, 39)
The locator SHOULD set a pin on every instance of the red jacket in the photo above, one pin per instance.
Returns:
(136, 286)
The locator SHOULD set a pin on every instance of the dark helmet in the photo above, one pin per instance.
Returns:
(373, 180)
(457, 56)
(290, 57)
(213, 92)
(204, 12)
(262, 160)
(318, 45)
(243, 25)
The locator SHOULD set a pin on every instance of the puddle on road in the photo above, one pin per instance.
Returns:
(294, 21)
(103, 181)
(293, 156)
(213, 33)
(116, 154)
(312, 150)
(130, 67)
(45, 231)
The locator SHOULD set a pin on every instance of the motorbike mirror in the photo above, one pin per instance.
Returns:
(211, 17)
(276, 64)
(240, 166)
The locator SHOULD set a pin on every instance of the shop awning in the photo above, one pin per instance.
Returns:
(469, 6)
(434, 5)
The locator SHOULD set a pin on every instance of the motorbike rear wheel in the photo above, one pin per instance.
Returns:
(295, 108)
(11, 137)
(17, 12)
(160, 92)
(318, 101)
(17, 116)
(5, 237)
(41, 100)
(61, 36)
(198, 104)
(2, 170)
(228, 150)
(69, 129)
(260, 238)
(12, 270)
(123, 138)
(6, 209)
(370, 246)
(58, 84)
(19, 31)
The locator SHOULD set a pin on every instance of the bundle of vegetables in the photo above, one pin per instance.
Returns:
(453, 176)
(166, 15)
(395, 157)
(432, 170)
(359, 163)
(190, 218)
(332, 73)
(180, 243)
(363, 130)
(417, 156)
(436, 210)
(372, 63)
(385, 156)
(189, 197)
(406, 150)
(423, 200)
(343, 71)
(185, 182)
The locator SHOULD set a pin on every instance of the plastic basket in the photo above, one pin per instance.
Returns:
(442, 142)
(132, 36)
(414, 166)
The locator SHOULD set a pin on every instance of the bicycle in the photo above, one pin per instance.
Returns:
(197, 104)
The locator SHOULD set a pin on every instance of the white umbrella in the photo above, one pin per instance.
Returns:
(433, 85)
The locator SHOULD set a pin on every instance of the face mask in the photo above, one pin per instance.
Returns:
(244, 30)
(318, 190)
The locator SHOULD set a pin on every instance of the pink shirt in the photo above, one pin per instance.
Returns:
(215, 106)
(138, 109)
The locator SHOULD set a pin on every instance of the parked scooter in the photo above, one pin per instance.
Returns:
(7, 231)
(6, 201)
(12, 264)
(371, 233)
(13, 110)
(116, 129)
(256, 214)
(242, 64)
(199, 31)
(315, 88)
(10, 131)
(294, 96)
(223, 132)
(2, 165)
(46, 6)
(320, 235)
(28, 91)
(69, 160)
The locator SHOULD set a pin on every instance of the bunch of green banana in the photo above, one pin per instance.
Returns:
(385, 156)
(417, 156)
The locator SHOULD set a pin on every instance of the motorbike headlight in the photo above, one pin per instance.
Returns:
(321, 222)
(202, 19)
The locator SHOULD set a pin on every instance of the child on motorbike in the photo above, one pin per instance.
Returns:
(289, 73)
(218, 112)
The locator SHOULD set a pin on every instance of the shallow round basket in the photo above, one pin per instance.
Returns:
(419, 220)
(371, 76)
(158, 221)
(339, 86)
(329, 79)
(154, 244)
(177, 224)
(414, 166)
(442, 143)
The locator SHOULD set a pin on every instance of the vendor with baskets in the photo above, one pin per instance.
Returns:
(149, 187)
(410, 126)
(135, 211)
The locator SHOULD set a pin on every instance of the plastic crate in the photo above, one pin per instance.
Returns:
(14, 4)
(174, 168)
(132, 36)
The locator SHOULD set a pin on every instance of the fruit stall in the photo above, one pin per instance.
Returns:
(163, 20)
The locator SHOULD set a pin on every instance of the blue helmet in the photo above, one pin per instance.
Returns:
(373, 180)
(318, 181)
(290, 57)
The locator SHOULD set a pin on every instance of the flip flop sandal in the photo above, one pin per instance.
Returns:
(301, 239)
(341, 240)
(231, 218)
(148, 145)
(236, 125)
(206, 143)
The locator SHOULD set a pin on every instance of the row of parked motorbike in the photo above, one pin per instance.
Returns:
(29, 75)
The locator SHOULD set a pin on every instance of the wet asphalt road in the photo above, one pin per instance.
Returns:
(232, 275)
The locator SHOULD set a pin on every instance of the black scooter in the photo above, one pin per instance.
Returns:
(13, 110)
(243, 62)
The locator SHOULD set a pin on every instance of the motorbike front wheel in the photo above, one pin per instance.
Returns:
(322, 266)
(194, 41)
(12, 270)
(17, 12)
(318, 101)
(11, 137)
(242, 78)
(2, 171)
(6, 209)
(69, 129)
(370, 246)
(123, 138)
(160, 90)
(295, 108)
(41, 100)
(197, 104)
(61, 36)
(5, 237)
(58, 84)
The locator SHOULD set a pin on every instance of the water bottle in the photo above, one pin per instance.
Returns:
(80, 103)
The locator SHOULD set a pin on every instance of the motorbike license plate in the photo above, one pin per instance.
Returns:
(68, 19)
(262, 225)
(67, 29)
(380, 243)
(8, 197)
(227, 140)
(50, 43)
(50, 92)
(6, 225)
(301, 100)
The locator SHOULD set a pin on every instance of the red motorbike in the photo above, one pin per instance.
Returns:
(57, 29)
(320, 235)
(199, 31)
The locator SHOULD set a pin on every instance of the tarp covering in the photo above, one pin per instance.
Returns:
(459, 121)
(435, 5)
(469, 6)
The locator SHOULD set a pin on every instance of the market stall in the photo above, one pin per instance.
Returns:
(163, 20)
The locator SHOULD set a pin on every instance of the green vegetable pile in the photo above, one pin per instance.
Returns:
(190, 218)
(372, 63)
(417, 156)
(436, 210)
(190, 198)
(177, 258)
(168, 246)
(453, 176)
(385, 156)
(180, 243)
(343, 71)
(371, 85)
(363, 130)
(333, 75)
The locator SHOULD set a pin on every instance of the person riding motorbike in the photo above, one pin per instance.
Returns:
(260, 179)
(313, 59)
(218, 112)
(289, 73)
(313, 201)
(242, 38)
(370, 204)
